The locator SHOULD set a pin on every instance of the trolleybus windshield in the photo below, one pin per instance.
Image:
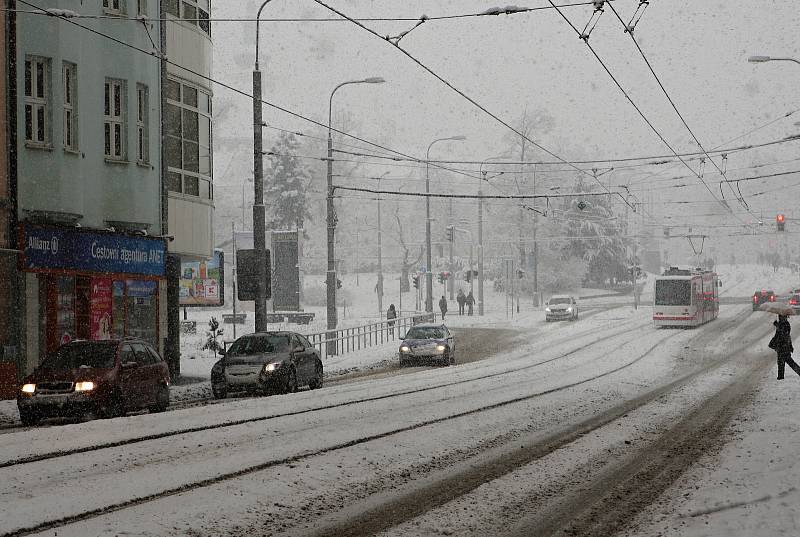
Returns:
(673, 292)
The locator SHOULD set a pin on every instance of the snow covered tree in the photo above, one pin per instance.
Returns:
(598, 236)
(286, 185)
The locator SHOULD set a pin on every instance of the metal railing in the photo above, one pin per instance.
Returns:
(346, 340)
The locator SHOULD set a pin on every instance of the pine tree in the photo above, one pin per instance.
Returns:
(286, 185)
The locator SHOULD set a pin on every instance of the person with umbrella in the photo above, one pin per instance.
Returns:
(781, 343)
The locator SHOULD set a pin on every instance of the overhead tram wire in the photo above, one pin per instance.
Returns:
(669, 98)
(511, 10)
(639, 110)
(233, 89)
(458, 91)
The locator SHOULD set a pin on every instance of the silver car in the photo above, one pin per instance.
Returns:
(561, 308)
(428, 342)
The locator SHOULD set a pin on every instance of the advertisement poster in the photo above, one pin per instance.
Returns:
(100, 301)
(202, 282)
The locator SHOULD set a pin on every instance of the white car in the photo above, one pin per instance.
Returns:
(561, 308)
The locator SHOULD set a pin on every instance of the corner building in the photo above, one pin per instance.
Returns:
(88, 173)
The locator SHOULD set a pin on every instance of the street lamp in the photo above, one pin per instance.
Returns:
(331, 218)
(259, 212)
(380, 262)
(481, 179)
(764, 59)
(428, 270)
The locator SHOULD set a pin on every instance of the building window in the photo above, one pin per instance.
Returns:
(142, 124)
(69, 76)
(114, 119)
(194, 12)
(141, 7)
(37, 96)
(114, 7)
(188, 139)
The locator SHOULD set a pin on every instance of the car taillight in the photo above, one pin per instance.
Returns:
(755, 298)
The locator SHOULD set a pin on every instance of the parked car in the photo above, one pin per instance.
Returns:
(267, 362)
(103, 378)
(762, 296)
(561, 308)
(794, 302)
(428, 342)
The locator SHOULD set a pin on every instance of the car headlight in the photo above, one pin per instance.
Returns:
(405, 348)
(547, 310)
(28, 388)
(272, 367)
(441, 348)
(569, 309)
(85, 386)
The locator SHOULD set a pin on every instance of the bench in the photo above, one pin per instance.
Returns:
(230, 318)
(292, 317)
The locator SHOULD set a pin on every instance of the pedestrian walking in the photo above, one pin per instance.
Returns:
(462, 301)
(781, 343)
(391, 315)
(443, 306)
(470, 302)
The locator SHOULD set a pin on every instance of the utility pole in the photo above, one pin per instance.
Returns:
(535, 248)
(480, 245)
(233, 233)
(380, 262)
(450, 282)
(259, 222)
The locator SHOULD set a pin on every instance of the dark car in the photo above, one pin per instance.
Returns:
(103, 378)
(428, 342)
(762, 296)
(267, 362)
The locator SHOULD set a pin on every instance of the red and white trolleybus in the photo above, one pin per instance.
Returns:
(686, 297)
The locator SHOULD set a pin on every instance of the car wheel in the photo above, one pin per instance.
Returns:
(316, 382)
(162, 400)
(220, 391)
(28, 418)
(291, 382)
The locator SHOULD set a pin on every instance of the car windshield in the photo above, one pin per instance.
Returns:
(426, 332)
(560, 300)
(268, 344)
(89, 355)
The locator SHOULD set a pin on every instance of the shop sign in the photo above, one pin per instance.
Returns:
(111, 253)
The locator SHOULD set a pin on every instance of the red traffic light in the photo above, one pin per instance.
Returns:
(780, 218)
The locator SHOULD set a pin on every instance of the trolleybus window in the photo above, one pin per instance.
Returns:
(673, 292)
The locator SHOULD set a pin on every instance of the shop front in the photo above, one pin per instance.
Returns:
(90, 285)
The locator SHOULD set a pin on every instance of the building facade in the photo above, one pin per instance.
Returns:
(88, 167)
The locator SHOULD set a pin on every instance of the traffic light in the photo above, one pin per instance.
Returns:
(416, 281)
(338, 283)
(780, 222)
(440, 277)
(520, 274)
(451, 231)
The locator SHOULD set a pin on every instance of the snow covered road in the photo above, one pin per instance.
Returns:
(292, 463)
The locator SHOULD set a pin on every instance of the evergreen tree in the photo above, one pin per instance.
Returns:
(286, 185)
(598, 235)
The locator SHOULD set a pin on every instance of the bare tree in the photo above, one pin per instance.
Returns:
(406, 264)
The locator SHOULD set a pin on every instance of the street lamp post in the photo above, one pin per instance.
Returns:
(428, 272)
(379, 287)
(481, 179)
(259, 222)
(331, 216)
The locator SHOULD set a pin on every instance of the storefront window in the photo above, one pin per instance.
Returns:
(142, 306)
(65, 310)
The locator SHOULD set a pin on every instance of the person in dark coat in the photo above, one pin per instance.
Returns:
(782, 344)
(470, 302)
(443, 306)
(462, 300)
(391, 315)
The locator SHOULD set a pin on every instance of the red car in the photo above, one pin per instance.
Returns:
(104, 378)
